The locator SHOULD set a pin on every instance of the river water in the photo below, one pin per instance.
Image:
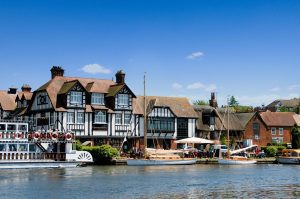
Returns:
(193, 181)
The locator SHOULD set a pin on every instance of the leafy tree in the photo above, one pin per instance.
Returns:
(295, 138)
(200, 102)
(233, 102)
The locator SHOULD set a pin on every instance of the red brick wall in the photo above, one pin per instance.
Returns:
(265, 135)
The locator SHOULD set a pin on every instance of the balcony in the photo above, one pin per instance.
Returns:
(75, 127)
(100, 127)
(123, 128)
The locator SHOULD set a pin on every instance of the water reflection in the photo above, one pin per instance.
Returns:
(194, 181)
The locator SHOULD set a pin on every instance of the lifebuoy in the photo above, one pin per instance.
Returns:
(54, 136)
(68, 136)
(18, 135)
(36, 135)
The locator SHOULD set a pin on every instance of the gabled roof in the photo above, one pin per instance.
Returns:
(180, 106)
(115, 89)
(244, 118)
(206, 109)
(285, 103)
(67, 86)
(54, 86)
(234, 122)
(278, 118)
(7, 101)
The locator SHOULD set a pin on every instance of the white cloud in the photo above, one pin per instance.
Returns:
(195, 55)
(293, 87)
(95, 68)
(177, 86)
(199, 85)
(275, 89)
(196, 85)
(211, 87)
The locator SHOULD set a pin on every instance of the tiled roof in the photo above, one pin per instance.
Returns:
(180, 106)
(7, 101)
(54, 86)
(278, 118)
(113, 90)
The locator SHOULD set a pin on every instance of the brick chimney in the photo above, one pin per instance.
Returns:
(57, 71)
(213, 101)
(120, 77)
(26, 88)
(12, 90)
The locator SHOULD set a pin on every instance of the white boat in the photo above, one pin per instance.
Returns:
(289, 156)
(51, 149)
(236, 160)
(151, 162)
(162, 157)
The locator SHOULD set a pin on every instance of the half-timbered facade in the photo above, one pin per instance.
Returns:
(94, 109)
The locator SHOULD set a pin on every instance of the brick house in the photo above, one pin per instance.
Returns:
(271, 127)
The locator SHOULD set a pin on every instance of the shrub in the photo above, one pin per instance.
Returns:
(78, 145)
(271, 151)
(102, 154)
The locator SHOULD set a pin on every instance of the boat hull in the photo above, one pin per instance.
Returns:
(37, 164)
(288, 160)
(147, 162)
(235, 162)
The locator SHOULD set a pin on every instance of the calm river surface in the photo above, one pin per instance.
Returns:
(196, 181)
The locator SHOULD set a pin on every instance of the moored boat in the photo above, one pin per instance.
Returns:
(236, 160)
(289, 156)
(40, 149)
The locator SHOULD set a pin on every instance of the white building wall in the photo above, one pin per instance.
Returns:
(64, 122)
(191, 128)
(175, 129)
(141, 129)
(86, 123)
(113, 125)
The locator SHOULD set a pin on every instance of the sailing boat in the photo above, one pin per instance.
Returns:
(158, 156)
(234, 159)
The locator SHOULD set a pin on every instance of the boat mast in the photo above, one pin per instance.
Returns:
(145, 117)
(228, 138)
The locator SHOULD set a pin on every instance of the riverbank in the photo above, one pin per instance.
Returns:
(123, 161)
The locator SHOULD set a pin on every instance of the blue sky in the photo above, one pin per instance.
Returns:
(249, 49)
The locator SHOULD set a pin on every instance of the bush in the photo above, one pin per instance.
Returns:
(78, 145)
(102, 154)
(271, 151)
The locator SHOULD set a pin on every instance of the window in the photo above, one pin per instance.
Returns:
(70, 118)
(76, 97)
(97, 98)
(123, 99)
(280, 131)
(100, 117)
(277, 140)
(80, 118)
(118, 118)
(256, 130)
(19, 104)
(127, 118)
(273, 131)
(24, 103)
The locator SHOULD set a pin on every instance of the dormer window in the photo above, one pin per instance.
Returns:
(76, 97)
(24, 103)
(123, 99)
(98, 98)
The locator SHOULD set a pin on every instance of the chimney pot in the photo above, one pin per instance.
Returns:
(120, 77)
(26, 88)
(57, 71)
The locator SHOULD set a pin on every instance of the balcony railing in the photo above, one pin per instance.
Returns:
(123, 127)
(75, 126)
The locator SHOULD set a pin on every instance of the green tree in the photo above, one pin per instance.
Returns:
(295, 137)
(233, 102)
(200, 102)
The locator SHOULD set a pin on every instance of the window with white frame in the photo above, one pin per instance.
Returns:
(118, 118)
(277, 140)
(98, 98)
(273, 131)
(24, 103)
(100, 117)
(76, 97)
(70, 118)
(123, 99)
(127, 118)
(280, 131)
(80, 117)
